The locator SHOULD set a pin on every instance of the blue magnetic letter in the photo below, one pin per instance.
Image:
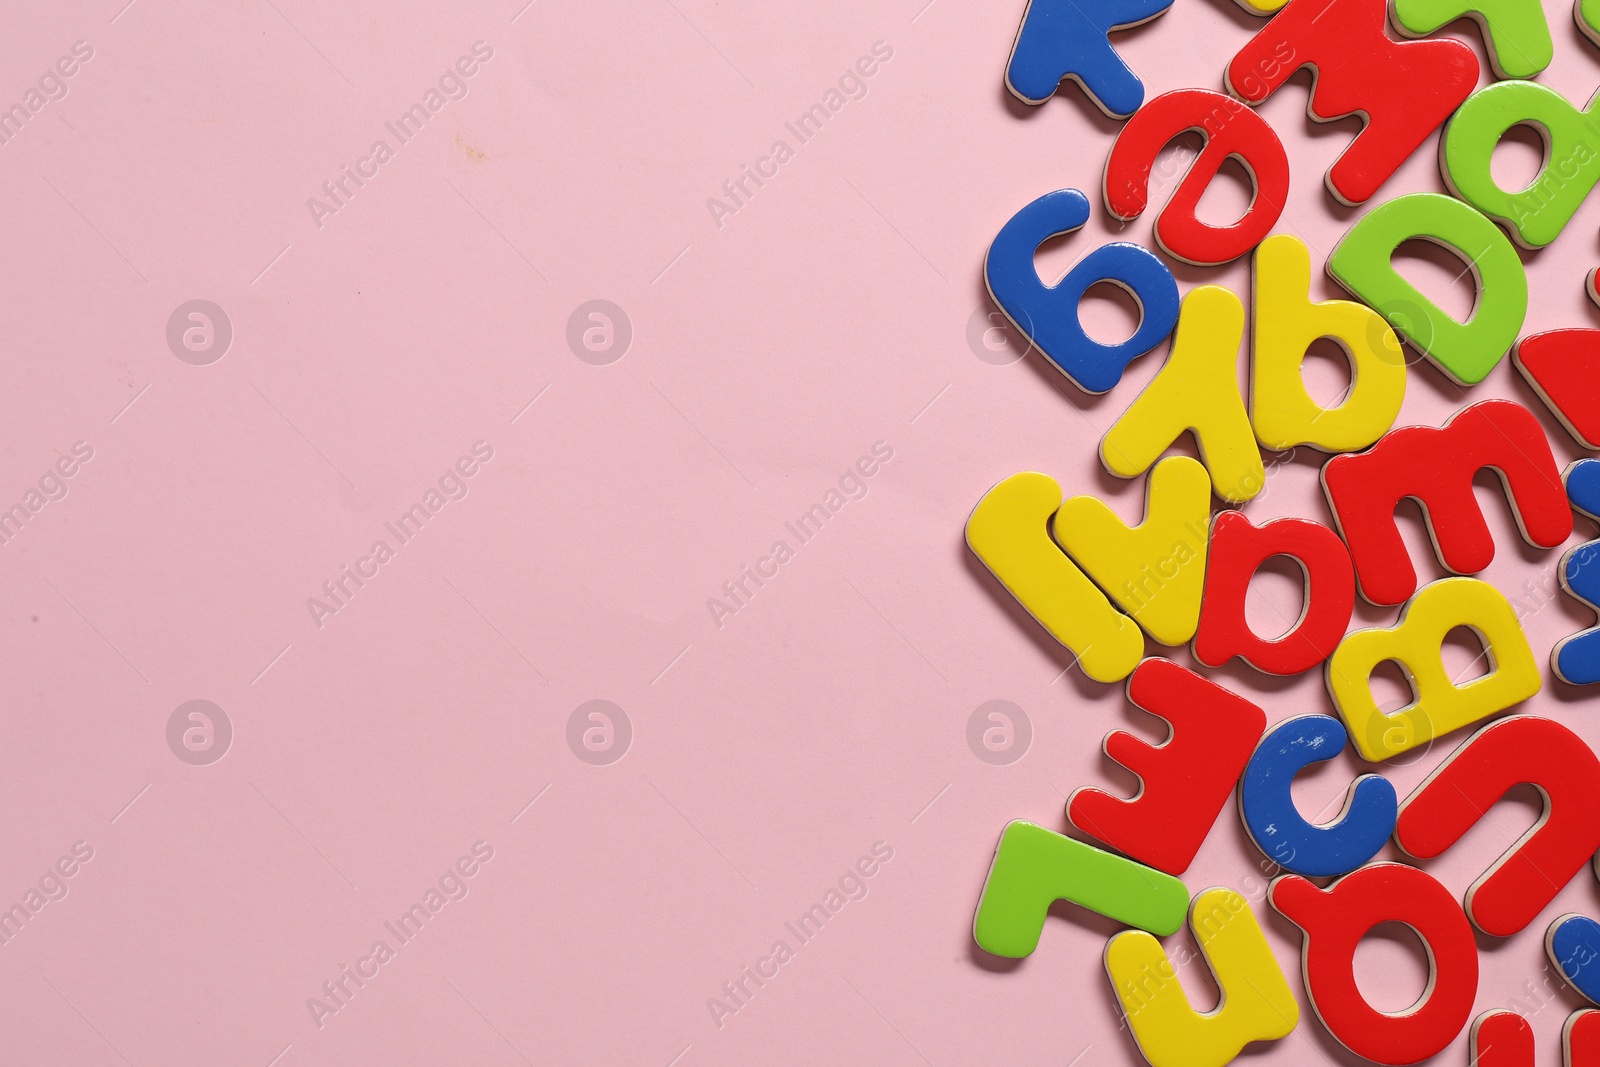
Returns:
(1277, 828)
(1048, 314)
(1577, 658)
(1069, 39)
(1573, 945)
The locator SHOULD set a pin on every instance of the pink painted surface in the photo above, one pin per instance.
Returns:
(370, 753)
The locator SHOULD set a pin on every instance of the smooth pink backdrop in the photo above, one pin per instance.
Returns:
(829, 313)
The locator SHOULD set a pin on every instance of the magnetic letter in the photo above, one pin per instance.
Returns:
(1539, 212)
(1402, 90)
(1198, 390)
(1256, 1003)
(1335, 919)
(1009, 532)
(1436, 467)
(1070, 39)
(1275, 824)
(1586, 13)
(1563, 367)
(1362, 262)
(1034, 867)
(1576, 659)
(1573, 945)
(1504, 1039)
(1521, 749)
(1048, 314)
(1155, 571)
(1414, 643)
(1287, 321)
(1230, 130)
(1238, 549)
(1515, 33)
(1185, 781)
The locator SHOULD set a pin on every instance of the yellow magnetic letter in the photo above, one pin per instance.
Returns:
(1198, 390)
(1256, 1004)
(1154, 571)
(1009, 531)
(1286, 323)
(1414, 643)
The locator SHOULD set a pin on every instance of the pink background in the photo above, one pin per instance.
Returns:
(829, 313)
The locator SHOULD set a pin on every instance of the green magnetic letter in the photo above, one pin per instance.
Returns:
(1537, 213)
(1586, 13)
(1034, 867)
(1466, 351)
(1514, 31)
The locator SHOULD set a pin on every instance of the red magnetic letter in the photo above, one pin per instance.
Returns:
(1504, 1039)
(1335, 919)
(1563, 366)
(1230, 130)
(1436, 466)
(1185, 781)
(1403, 89)
(1520, 749)
(1238, 549)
